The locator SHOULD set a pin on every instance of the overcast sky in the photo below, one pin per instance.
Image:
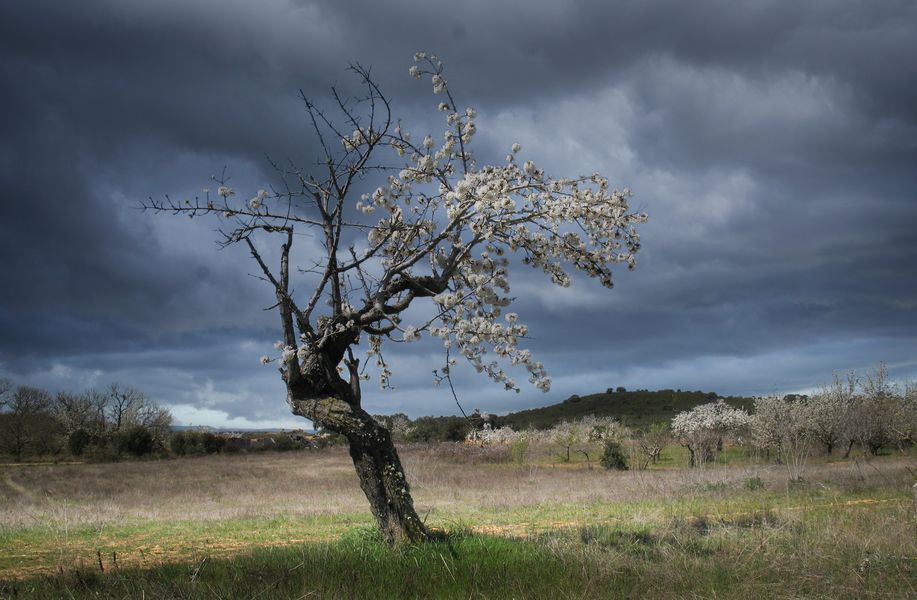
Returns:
(773, 144)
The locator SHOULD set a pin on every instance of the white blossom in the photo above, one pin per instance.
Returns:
(703, 428)
(439, 84)
(288, 353)
(441, 215)
(255, 203)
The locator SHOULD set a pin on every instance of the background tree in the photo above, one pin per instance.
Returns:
(830, 410)
(873, 412)
(399, 425)
(568, 437)
(82, 417)
(129, 411)
(600, 432)
(650, 442)
(26, 424)
(702, 429)
(111, 421)
(444, 229)
(782, 424)
(905, 423)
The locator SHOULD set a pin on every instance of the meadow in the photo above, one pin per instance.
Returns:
(296, 525)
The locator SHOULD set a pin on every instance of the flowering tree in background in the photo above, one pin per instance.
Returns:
(874, 412)
(906, 423)
(650, 442)
(830, 410)
(784, 425)
(440, 228)
(702, 429)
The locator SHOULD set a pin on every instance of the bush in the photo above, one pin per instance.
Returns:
(137, 441)
(754, 483)
(439, 429)
(212, 443)
(613, 456)
(232, 447)
(520, 449)
(284, 443)
(196, 443)
(78, 441)
(178, 443)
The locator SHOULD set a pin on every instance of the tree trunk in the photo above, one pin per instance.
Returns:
(382, 480)
(375, 460)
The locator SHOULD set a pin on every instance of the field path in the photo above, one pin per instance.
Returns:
(8, 481)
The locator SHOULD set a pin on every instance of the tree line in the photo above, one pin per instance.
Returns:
(103, 424)
(868, 412)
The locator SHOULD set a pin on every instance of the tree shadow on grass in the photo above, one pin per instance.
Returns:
(459, 564)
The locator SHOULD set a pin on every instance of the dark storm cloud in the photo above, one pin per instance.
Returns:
(772, 144)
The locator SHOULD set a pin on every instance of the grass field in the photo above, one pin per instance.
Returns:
(296, 526)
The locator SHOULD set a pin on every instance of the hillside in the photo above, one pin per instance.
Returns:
(635, 408)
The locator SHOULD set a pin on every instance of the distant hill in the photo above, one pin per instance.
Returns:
(635, 408)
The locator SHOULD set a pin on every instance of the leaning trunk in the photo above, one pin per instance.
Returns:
(382, 480)
(375, 460)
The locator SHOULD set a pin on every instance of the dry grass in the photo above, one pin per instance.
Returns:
(323, 483)
(848, 531)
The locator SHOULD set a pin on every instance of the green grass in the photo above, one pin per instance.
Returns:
(799, 541)
(849, 531)
(36, 549)
(816, 554)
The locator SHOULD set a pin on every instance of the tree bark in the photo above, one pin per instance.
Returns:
(382, 480)
(375, 460)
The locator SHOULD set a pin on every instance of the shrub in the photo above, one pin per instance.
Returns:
(520, 449)
(442, 429)
(613, 456)
(212, 443)
(195, 443)
(178, 443)
(754, 483)
(233, 446)
(284, 443)
(137, 441)
(78, 440)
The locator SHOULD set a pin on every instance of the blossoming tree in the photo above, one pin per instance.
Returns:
(785, 426)
(439, 228)
(701, 430)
